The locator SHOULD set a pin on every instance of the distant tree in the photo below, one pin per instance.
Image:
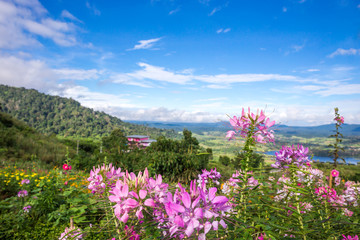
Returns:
(256, 160)
(191, 144)
(224, 160)
(116, 142)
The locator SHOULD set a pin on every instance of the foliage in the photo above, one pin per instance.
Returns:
(178, 160)
(224, 160)
(19, 141)
(257, 160)
(65, 117)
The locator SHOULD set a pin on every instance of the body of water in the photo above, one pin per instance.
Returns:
(348, 160)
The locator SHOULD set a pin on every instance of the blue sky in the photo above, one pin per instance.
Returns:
(188, 60)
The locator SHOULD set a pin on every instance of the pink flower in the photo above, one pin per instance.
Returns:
(262, 235)
(258, 123)
(334, 173)
(27, 208)
(66, 167)
(339, 120)
(350, 237)
(25, 181)
(291, 155)
(71, 233)
(22, 193)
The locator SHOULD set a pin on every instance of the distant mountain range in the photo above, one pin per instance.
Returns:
(313, 131)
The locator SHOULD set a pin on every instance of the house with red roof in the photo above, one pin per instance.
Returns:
(141, 141)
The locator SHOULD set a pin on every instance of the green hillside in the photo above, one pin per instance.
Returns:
(66, 117)
(19, 141)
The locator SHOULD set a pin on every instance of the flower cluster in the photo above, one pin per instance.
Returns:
(197, 210)
(232, 184)
(133, 193)
(350, 237)
(258, 123)
(22, 193)
(27, 208)
(25, 181)
(103, 176)
(66, 167)
(207, 177)
(339, 120)
(291, 155)
(130, 233)
(178, 214)
(71, 233)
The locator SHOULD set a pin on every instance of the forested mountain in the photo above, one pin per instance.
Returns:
(66, 117)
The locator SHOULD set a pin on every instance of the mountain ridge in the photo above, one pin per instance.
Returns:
(309, 131)
(66, 117)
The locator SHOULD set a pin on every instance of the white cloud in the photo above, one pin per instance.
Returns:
(155, 73)
(174, 11)
(94, 10)
(313, 70)
(206, 2)
(310, 87)
(30, 74)
(208, 106)
(215, 10)
(342, 69)
(17, 72)
(21, 22)
(68, 15)
(345, 52)
(145, 44)
(77, 74)
(95, 100)
(297, 48)
(127, 80)
(167, 115)
(216, 86)
(213, 99)
(343, 89)
(159, 74)
(242, 78)
(284, 9)
(221, 30)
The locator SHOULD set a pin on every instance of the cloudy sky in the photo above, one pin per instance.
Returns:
(188, 61)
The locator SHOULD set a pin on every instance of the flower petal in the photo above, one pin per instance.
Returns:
(142, 193)
(149, 202)
(186, 199)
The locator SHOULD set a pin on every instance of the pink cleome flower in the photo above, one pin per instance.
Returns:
(25, 181)
(291, 155)
(258, 123)
(22, 193)
(27, 208)
(350, 237)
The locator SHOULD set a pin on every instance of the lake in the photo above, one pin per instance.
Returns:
(349, 160)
